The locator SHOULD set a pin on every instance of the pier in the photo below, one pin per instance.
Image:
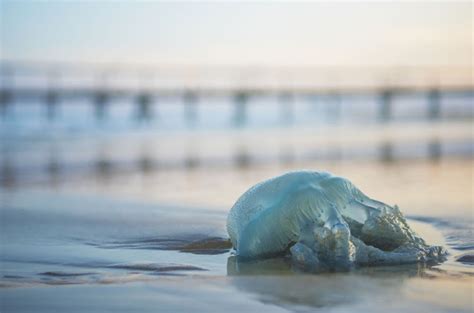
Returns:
(57, 84)
(56, 88)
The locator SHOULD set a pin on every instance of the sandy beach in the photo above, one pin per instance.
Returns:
(130, 129)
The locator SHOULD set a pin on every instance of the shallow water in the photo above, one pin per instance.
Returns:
(63, 250)
(135, 221)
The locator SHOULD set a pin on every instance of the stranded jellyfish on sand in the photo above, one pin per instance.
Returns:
(323, 222)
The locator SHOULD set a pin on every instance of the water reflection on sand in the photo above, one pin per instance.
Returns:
(136, 222)
(397, 289)
(303, 293)
(83, 253)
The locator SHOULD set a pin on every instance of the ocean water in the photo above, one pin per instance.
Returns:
(64, 250)
(122, 215)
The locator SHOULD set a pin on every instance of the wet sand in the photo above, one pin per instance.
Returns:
(331, 293)
(155, 239)
(65, 251)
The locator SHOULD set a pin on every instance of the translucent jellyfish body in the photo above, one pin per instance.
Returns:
(323, 222)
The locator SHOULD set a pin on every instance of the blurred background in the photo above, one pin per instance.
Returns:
(192, 103)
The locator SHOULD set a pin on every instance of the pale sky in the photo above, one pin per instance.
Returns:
(240, 33)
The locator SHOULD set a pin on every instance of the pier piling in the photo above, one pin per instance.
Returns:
(5, 99)
(240, 115)
(385, 105)
(144, 106)
(51, 104)
(190, 100)
(434, 104)
(100, 103)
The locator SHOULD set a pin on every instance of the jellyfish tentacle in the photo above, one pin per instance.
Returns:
(304, 257)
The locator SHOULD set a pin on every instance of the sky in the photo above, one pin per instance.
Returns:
(351, 33)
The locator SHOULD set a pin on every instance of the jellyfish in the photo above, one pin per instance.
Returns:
(322, 222)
